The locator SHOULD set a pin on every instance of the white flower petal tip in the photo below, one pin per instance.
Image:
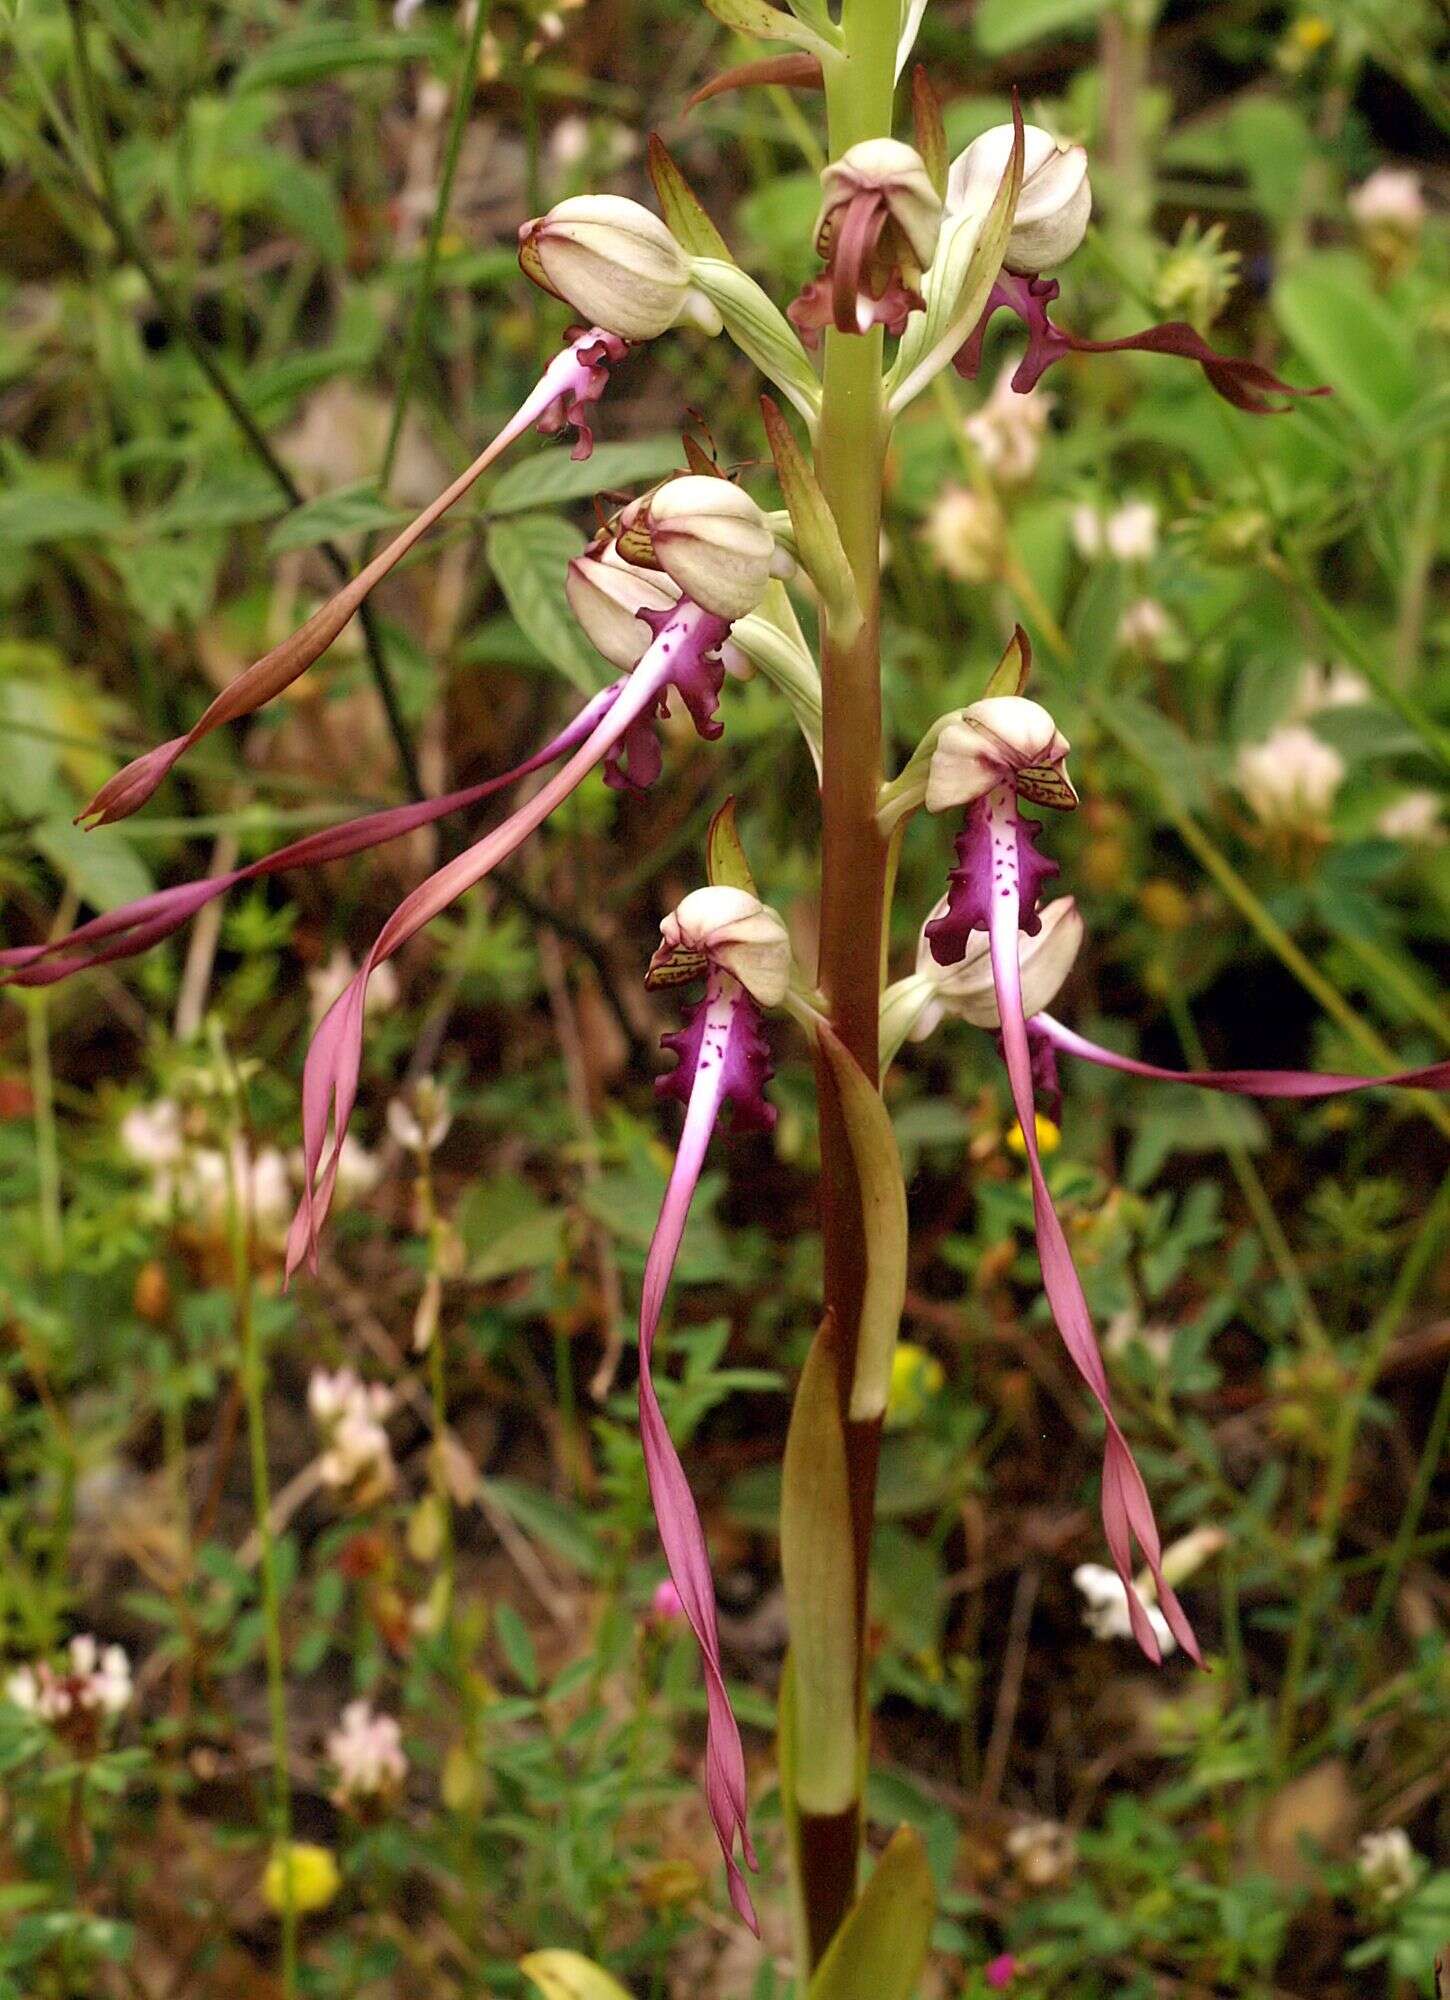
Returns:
(614, 262)
(966, 990)
(715, 543)
(1004, 737)
(731, 929)
(1053, 207)
(606, 595)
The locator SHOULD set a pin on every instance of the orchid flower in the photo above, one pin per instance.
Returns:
(718, 547)
(876, 233)
(569, 385)
(739, 946)
(990, 956)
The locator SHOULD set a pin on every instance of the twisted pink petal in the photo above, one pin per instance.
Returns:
(1127, 1510)
(137, 926)
(1241, 1082)
(727, 1061)
(334, 1060)
(572, 381)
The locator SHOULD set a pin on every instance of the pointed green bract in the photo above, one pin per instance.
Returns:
(754, 17)
(1011, 672)
(681, 207)
(930, 132)
(726, 864)
(818, 1564)
(880, 1950)
(818, 539)
(883, 1224)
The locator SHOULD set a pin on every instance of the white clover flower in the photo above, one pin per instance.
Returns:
(423, 1125)
(1144, 627)
(95, 1681)
(151, 1134)
(1130, 532)
(1414, 817)
(366, 1749)
(965, 532)
(1043, 1851)
(349, 1414)
(1391, 198)
(1320, 688)
(1388, 1865)
(1009, 428)
(1291, 778)
(1105, 1607)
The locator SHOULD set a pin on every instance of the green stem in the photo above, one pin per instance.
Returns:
(1341, 1458)
(462, 101)
(47, 1147)
(1431, 1460)
(850, 452)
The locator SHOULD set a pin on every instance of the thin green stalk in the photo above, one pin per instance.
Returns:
(47, 1146)
(254, 1389)
(1430, 1464)
(423, 298)
(1386, 970)
(1341, 1458)
(438, 1395)
(1251, 1185)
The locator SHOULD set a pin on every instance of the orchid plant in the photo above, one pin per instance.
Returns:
(681, 589)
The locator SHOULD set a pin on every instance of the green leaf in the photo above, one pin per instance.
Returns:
(316, 54)
(102, 867)
(170, 581)
(351, 510)
(1004, 25)
(566, 1975)
(516, 1645)
(546, 1520)
(1351, 336)
(881, 1948)
(222, 496)
(818, 1568)
(30, 515)
(507, 1229)
(529, 556)
(552, 477)
(818, 539)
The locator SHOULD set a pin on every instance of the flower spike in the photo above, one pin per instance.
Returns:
(740, 945)
(572, 381)
(684, 656)
(134, 928)
(1246, 384)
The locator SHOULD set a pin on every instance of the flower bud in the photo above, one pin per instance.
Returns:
(716, 544)
(966, 990)
(615, 264)
(1055, 202)
(606, 594)
(895, 172)
(728, 928)
(1003, 739)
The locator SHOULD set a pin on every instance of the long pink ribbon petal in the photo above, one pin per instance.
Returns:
(1242, 1082)
(135, 927)
(1127, 1510)
(569, 379)
(334, 1060)
(674, 1504)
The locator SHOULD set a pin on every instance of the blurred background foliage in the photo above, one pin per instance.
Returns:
(255, 306)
